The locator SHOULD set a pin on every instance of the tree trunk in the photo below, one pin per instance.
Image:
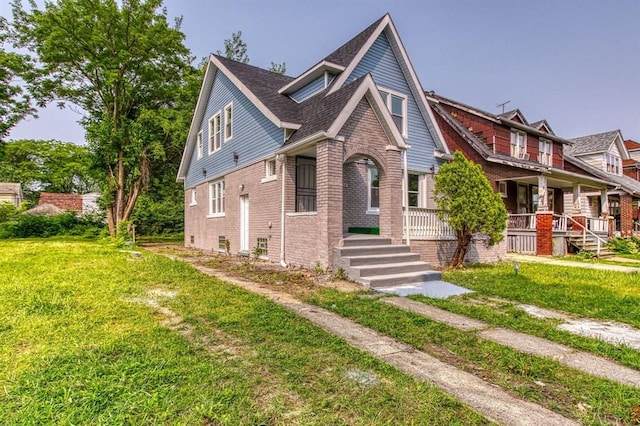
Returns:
(464, 240)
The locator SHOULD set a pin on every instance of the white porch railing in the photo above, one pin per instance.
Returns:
(424, 224)
(597, 225)
(521, 221)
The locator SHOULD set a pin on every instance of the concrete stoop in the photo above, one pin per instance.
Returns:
(375, 262)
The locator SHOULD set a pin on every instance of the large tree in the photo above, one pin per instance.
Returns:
(122, 62)
(16, 70)
(47, 165)
(467, 201)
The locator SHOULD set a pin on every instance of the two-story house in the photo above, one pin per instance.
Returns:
(526, 163)
(605, 155)
(631, 167)
(286, 167)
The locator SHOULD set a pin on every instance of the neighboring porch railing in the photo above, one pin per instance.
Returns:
(598, 225)
(521, 221)
(575, 226)
(425, 224)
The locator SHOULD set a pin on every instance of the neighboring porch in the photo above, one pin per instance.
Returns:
(556, 215)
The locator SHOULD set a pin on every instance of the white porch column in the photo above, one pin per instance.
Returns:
(577, 201)
(604, 202)
(543, 197)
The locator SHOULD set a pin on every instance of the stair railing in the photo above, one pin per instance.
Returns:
(584, 235)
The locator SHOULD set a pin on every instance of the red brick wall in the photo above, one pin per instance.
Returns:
(626, 215)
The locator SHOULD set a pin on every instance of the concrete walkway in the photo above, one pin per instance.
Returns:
(552, 261)
(583, 361)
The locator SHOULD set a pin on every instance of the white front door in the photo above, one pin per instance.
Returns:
(244, 223)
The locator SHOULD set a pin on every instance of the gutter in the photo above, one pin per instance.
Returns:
(283, 263)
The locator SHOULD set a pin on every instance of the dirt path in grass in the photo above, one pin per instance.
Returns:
(489, 400)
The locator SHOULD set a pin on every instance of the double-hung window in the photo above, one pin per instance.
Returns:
(214, 133)
(414, 190)
(194, 197)
(199, 143)
(216, 198)
(397, 105)
(612, 164)
(228, 122)
(545, 155)
(519, 145)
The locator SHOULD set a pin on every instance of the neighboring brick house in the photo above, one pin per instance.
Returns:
(64, 202)
(605, 155)
(11, 193)
(631, 167)
(526, 163)
(288, 166)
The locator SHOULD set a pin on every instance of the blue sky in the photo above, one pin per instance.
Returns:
(575, 63)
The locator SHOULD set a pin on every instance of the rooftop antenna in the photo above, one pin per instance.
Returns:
(502, 105)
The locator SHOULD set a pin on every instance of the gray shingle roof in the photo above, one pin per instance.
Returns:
(320, 111)
(345, 53)
(265, 85)
(626, 183)
(9, 188)
(592, 143)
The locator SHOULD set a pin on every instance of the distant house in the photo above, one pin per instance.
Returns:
(55, 203)
(605, 155)
(11, 193)
(631, 167)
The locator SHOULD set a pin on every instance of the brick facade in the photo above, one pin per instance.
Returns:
(544, 234)
(356, 198)
(69, 202)
(626, 215)
(440, 252)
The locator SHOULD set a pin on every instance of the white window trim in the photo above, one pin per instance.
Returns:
(194, 198)
(405, 108)
(223, 196)
(502, 188)
(211, 145)
(199, 144)
(227, 107)
(372, 210)
(615, 162)
(517, 153)
(268, 176)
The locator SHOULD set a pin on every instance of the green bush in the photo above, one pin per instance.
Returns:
(628, 245)
(39, 226)
(7, 212)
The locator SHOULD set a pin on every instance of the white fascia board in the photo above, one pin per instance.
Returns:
(622, 148)
(309, 140)
(203, 97)
(310, 75)
(368, 88)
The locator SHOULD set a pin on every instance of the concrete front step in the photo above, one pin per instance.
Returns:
(401, 278)
(365, 240)
(380, 259)
(371, 250)
(365, 271)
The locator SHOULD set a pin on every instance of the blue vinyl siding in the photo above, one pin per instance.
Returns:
(309, 90)
(382, 64)
(254, 135)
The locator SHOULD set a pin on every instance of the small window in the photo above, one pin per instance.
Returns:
(519, 145)
(194, 197)
(228, 122)
(397, 105)
(262, 247)
(502, 189)
(222, 242)
(199, 143)
(414, 190)
(214, 133)
(216, 198)
(374, 190)
(270, 168)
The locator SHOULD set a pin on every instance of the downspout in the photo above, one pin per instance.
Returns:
(405, 186)
(282, 211)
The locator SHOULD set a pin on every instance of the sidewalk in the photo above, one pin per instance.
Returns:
(552, 261)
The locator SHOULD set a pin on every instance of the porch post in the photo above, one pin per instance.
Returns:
(543, 198)
(604, 202)
(578, 216)
(626, 215)
(391, 196)
(544, 233)
(329, 162)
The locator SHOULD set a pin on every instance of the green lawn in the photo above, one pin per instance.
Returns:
(82, 343)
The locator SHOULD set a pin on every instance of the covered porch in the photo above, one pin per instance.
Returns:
(556, 213)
